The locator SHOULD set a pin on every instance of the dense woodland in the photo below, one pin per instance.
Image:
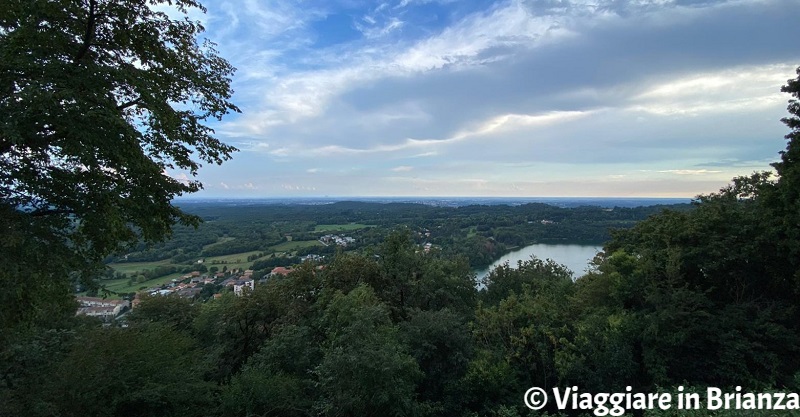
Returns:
(695, 298)
(700, 298)
(481, 233)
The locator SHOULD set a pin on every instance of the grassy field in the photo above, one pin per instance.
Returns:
(232, 258)
(121, 285)
(340, 227)
(137, 267)
(235, 260)
(295, 245)
(220, 240)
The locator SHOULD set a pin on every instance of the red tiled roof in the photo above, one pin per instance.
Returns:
(281, 270)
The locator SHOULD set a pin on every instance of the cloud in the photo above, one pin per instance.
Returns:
(727, 90)
(403, 168)
(514, 90)
(689, 171)
(292, 187)
(181, 177)
(371, 31)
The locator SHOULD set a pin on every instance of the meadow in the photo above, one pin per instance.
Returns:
(340, 227)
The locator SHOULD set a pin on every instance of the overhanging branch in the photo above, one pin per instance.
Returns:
(127, 104)
(89, 34)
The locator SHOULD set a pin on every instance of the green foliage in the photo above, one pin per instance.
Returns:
(37, 272)
(236, 327)
(441, 344)
(534, 273)
(99, 98)
(408, 279)
(277, 380)
(147, 371)
(26, 362)
(365, 369)
(177, 312)
(517, 338)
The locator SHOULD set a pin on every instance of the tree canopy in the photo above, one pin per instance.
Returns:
(98, 99)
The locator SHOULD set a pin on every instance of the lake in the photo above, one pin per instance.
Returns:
(575, 257)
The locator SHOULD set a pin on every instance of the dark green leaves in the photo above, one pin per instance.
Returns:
(98, 98)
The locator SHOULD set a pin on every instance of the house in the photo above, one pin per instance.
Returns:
(337, 239)
(101, 307)
(280, 271)
(106, 313)
(100, 302)
(240, 285)
(189, 292)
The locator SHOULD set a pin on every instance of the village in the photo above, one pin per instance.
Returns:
(191, 285)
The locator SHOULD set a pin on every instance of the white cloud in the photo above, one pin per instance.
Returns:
(373, 32)
(689, 171)
(306, 94)
(403, 168)
(518, 86)
(729, 90)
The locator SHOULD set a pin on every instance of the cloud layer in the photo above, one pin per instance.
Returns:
(517, 98)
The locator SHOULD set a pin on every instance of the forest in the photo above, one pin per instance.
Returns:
(672, 302)
(478, 232)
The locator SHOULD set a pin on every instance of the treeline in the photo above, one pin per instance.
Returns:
(685, 298)
(231, 247)
(481, 233)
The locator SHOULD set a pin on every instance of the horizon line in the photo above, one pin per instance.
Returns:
(194, 197)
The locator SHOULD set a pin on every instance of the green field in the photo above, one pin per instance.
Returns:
(136, 267)
(295, 245)
(121, 285)
(232, 258)
(220, 240)
(235, 260)
(340, 227)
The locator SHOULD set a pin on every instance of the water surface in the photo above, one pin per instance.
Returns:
(573, 256)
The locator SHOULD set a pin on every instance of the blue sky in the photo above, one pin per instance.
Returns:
(665, 98)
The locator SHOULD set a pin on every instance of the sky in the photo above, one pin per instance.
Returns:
(539, 98)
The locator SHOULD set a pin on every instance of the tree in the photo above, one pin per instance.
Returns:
(276, 381)
(365, 369)
(788, 168)
(151, 370)
(172, 310)
(99, 98)
(785, 201)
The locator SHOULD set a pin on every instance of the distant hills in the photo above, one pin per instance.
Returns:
(566, 202)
